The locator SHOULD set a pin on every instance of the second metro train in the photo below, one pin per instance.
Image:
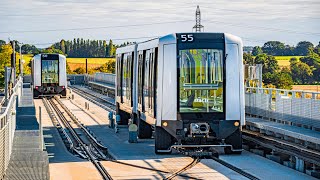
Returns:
(49, 75)
(188, 87)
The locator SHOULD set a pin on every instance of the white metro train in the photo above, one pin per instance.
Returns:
(188, 87)
(49, 75)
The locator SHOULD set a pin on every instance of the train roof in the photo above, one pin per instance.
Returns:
(229, 38)
(38, 56)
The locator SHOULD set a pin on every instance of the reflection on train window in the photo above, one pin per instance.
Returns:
(50, 69)
(201, 80)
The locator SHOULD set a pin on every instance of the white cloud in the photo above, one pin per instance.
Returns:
(294, 15)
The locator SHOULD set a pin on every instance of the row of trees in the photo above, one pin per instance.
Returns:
(86, 48)
(305, 70)
(277, 48)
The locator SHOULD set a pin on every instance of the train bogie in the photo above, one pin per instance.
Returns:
(187, 86)
(49, 75)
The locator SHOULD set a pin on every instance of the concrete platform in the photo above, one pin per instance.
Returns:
(28, 160)
(287, 130)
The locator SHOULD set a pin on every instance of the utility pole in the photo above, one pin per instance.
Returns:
(198, 27)
(13, 63)
(21, 61)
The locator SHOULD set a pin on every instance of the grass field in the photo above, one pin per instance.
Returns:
(285, 60)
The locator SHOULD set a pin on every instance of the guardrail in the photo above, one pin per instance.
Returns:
(101, 77)
(7, 127)
(301, 108)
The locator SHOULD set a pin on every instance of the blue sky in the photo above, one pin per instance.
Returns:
(42, 22)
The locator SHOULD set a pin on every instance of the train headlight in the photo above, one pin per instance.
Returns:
(165, 124)
(236, 123)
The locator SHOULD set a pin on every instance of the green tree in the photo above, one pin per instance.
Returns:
(283, 79)
(256, 50)
(248, 59)
(63, 46)
(80, 70)
(29, 49)
(108, 67)
(269, 67)
(110, 49)
(5, 58)
(274, 48)
(317, 49)
(288, 50)
(2, 42)
(301, 72)
(52, 50)
(302, 48)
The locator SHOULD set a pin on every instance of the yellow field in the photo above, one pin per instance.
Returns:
(90, 60)
(314, 88)
(285, 60)
(74, 66)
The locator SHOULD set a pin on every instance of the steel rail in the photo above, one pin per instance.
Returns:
(95, 99)
(82, 145)
(75, 119)
(234, 168)
(56, 123)
(194, 162)
(282, 146)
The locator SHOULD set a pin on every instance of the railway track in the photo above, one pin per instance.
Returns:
(86, 147)
(282, 146)
(103, 103)
(98, 100)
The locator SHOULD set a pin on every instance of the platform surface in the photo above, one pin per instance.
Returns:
(292, 131)
(27, 160)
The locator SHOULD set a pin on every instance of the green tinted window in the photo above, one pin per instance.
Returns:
(50, 70)
(201, 80)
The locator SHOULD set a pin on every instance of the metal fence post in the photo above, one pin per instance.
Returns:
(40, 129)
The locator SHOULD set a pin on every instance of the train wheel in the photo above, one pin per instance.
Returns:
(163, 141)
(144, 129)
(35, 94)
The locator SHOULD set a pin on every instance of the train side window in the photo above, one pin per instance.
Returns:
(131, 78)
(145, 103)
(119, 76)
(155, 76)
(140, 79)
(124, 75)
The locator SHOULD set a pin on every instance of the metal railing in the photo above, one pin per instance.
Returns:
(7, 127)
(101, 77)
(300, 108)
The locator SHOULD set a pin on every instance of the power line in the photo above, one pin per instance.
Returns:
(262, 28)
(116, 39)
(86, 13)
(100, 27)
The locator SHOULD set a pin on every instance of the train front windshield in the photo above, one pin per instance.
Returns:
(200, 80)
(50, 71)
